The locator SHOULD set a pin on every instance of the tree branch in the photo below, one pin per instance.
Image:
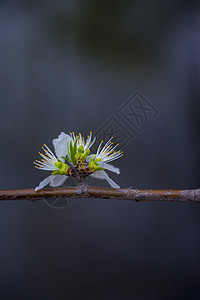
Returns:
(84, 191)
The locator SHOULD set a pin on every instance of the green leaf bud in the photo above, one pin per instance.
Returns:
(55, 172)
(81, 149)
(58, 164)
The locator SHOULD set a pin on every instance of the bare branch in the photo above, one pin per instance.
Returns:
(84, 191)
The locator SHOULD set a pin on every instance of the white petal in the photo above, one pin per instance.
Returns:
(57, 180)
(43, 183)
(109, 167)
(112, 183)
(103, 175)
(60, 145)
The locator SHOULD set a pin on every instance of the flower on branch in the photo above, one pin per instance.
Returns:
(72, 158)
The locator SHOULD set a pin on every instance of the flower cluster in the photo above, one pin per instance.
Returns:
(73, 158)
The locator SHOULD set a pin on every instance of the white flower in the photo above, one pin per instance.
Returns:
(101, 159)
(76, 150)
(53, 163)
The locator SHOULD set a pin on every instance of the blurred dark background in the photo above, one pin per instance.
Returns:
(70, 65)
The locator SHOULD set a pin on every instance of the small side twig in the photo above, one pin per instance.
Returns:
(83, 191)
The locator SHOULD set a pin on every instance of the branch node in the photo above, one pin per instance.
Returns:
(82, 189)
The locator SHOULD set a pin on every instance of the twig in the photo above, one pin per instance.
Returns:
(84, 191)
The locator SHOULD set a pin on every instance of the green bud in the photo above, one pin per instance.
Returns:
(56, 172)
(96, 162)
(99, 168)
(98, 159)
(81, 157)
(87, 152)
(58, 164)
(92, 158)
(92, 166)
(63, 170)
(81, 149)
(78, 156)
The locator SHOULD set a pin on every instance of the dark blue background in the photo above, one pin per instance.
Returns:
(70, 65)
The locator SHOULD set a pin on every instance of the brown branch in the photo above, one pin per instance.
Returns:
(84, 191)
